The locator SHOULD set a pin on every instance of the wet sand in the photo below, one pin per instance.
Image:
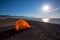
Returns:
(39, 31)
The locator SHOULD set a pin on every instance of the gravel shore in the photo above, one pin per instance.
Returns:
(39, 31)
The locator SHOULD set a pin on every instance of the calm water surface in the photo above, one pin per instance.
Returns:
(48, 20)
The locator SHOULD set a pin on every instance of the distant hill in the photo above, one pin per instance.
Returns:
(5, 16)
(18, 17)
(15, 17)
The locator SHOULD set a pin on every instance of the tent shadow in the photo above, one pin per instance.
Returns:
(10, 33)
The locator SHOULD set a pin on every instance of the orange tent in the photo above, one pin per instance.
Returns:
(21, 24)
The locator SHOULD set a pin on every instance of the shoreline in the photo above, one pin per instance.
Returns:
(31, 22)
(38, 31)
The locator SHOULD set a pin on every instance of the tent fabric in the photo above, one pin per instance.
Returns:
(21, 24)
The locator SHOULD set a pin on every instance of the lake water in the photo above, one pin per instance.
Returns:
(48, 20)
(56, 21)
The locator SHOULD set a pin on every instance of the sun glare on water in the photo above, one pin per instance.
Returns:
(45, 19)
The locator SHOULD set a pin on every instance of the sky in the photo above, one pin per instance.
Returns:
(30, 8)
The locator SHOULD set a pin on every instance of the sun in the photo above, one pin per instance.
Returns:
(46, 7)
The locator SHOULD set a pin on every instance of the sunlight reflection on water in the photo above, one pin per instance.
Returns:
(45, 19)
